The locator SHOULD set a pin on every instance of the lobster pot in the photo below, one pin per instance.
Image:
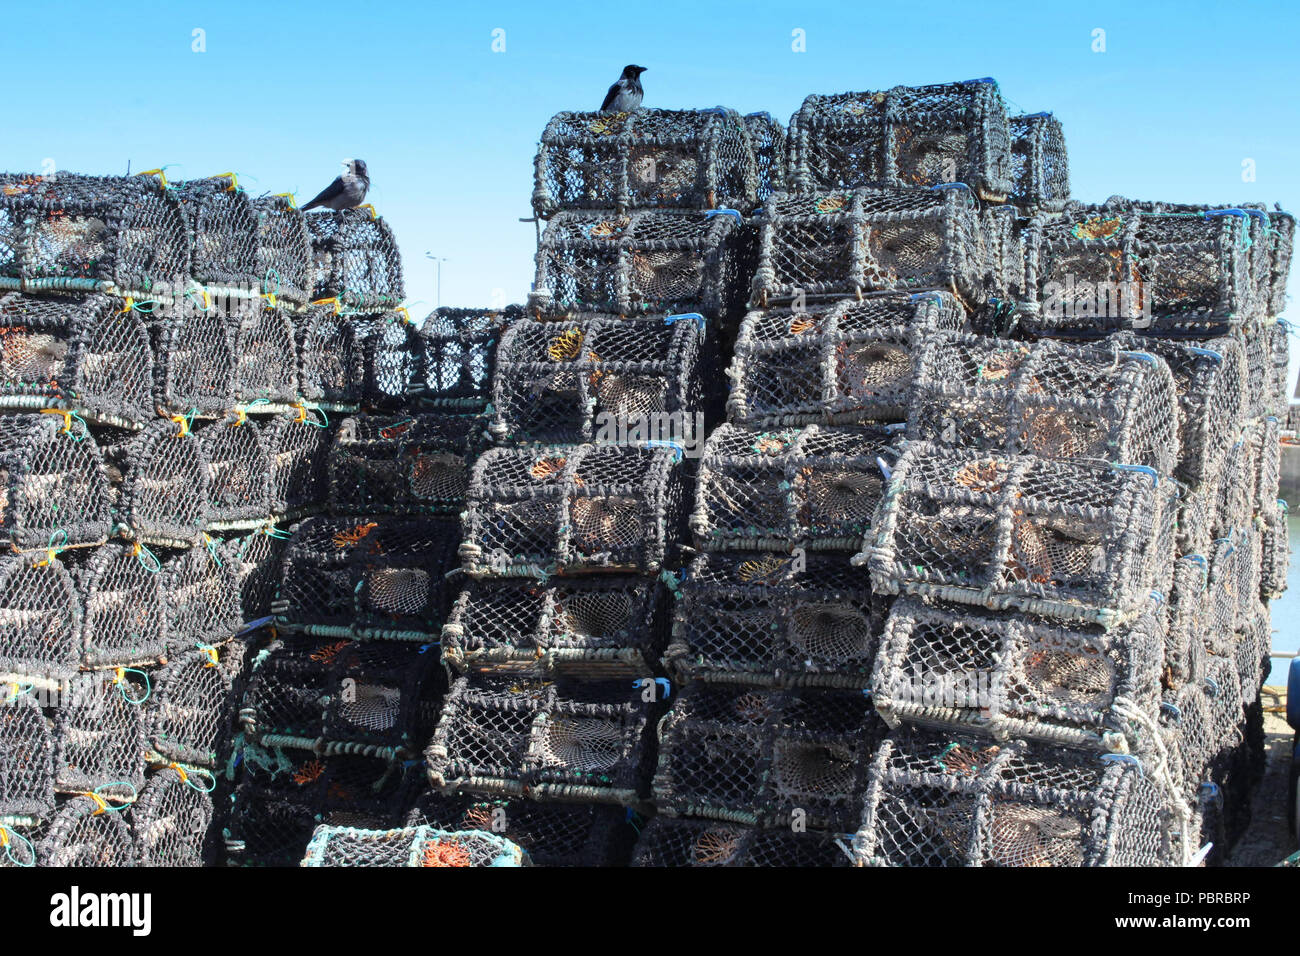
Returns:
(69, 232)
(297, 449)
(355, 259)
(166, 490)
(331, 359)
(936, 800)
(1003, 266)
(223, 230)
(557, 740)
(594, 627)
(189, 713)
(767, 137)
(766, 619)
(1040, 171)
(601, 379)
(401, 463)
(1211, 383)
(833, 244)
(378, 579)
(172, 820)
(239, 479)
(1265, 436)
(552, 834)
(669, 842)
(26, 761)
(257, 562)
(643, 261)
(1045, 398)
(1018, 676)
(904, 137)
(1232, 601)
(816, 487)
(53, 486)
(1276, 552)
(1191, 606)
(81, 834)
(645, 159)
(1267, 353)
(83, 353)
(531, 512)
(1235, 501)
(123, 620)
(764, 757)
(1282, 229)
(846, 362)
(1248, 660)
(284, 257)
(394, 362)
(266, 356)
(1186, 729)
(460, 356)
(1223, 686)
(1172, 270)
(194, 346)
(1057, 539)
(410, 846)
(99, 735)
(202, 598)
(40, 617)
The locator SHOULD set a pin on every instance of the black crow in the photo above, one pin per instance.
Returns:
(626, 93)
(347, 191)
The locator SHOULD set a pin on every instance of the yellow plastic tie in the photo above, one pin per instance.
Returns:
(234, 181)
(185, 777)
(270, 298)
(211, 653)
(289, 196)
(332, 300)
(373, 215)
(243, 417)
(406, 315)
(302, 412)
(4, 836)
(67, 417)
(183, 422)
(162, 176)
(100, 802)
(130, 304)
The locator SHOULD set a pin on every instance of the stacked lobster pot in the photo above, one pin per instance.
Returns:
(1197, 289)
(147, 327)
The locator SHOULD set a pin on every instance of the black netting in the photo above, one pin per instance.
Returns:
(410, 846)
(642, 261)
(1060, 539)
(202, 588)
(356, 260)
(848, 243)
(1234, 506)
(768, 757)
(394, 361)
(1276, 548)
(258, 559)
(937, 800)
(284, 258)
(84, 353)
(844, 363)
(40, 617)
(331, 357)
(266, 356)
(53, 485)
(82, 834)
(1266, 437)
(602, 379)
(124, 620)
(85, 233)
(814, 486)
(379, 577)
(223, 231)
(99, 735)
(1267, 351)
(769, 619)
(1040, 170)
(669, 842)
(767, 137)
(189, 714)
(1282, 228)
(238, 472)
(173, 820)
(904, 137)
(645, 158)
(553, 740)
(1045, 398)
(297, 447)
(534, 511)
(460, 355)
(1189, 610)
(596, 627)
(193, 343)
(26, 758)
(165, 486)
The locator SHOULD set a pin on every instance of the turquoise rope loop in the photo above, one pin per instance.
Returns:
(19, 690)
(135, 794)
(9, 851)
(212, 549)
(120, 681)
(148, 560)
(187, 776)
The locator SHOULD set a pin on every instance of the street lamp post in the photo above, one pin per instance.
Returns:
(439, 260)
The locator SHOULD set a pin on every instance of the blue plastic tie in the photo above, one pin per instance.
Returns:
(1143, 356)
(724, 211)
(1208, 353)
(918, 296)
(1212, 686)
(1125, 758)
(254, 625)
(1144, 469)
(1174, 709)
(1217, 213)
(661, 443)
(951, 186)
(884, 469)
(693, 316)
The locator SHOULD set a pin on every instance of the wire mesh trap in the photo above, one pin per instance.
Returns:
(604, 626)
(460, 355)
(559, 740)
(91, 233)
(194, 348)
(767, 137)
(642, 261)
(1189, 615)
(937, 800)
(54, 489)
(669, 842)
(297, 447)
(99, 735)
(257, 560)
(1234, 504)
(223, 230)
(266, 356)
(602, 379)
(552, 834)
(1267, 351)
(1059, 401)
(238, 473)
(834, 244)
(172, 821)
(1276, 552)
(1017, 676)
(816, 487)
(331, 359)
(202, 593)
(1040, 170)
(355, 259)
(843, 363)
(765, 757)
(1058, 539)
(394, 362)
(413, 464)
(904, 137)
(188, 715)
(1282, 231)
(645, 158)
(766, 619)
(165, 491)
(40, 616)
(1170, 269)
(1265, 436)
(26, 759)
(410, 846)
(80, 834)
(380, 578)
(124, 621)
(532, 512)
(284, 256)
(83, 353)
